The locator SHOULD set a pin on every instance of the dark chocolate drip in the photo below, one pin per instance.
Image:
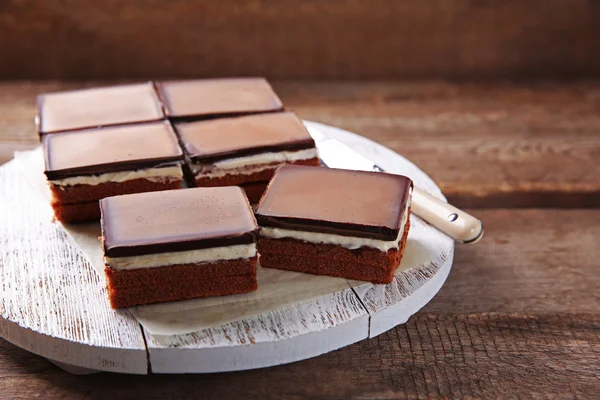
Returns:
(208, 117)
(155, 248)
(334, 228)
(250, 151)
(121, 166)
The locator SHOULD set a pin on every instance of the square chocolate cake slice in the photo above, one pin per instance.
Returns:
(245, 151)
(178, 244)
(350, 224)
(95, 107)
(85, 166)
(212, 98)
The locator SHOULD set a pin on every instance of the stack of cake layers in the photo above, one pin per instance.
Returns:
(181, 244)
(178, 244)
(122, 154)
(102, 142)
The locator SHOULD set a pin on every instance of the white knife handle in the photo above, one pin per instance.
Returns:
(453, 222)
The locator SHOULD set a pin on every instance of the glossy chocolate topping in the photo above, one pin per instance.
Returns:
(176, 220)
(89, 108)
(342, 202)
(211, 97)
(209, 141)
(110, 149)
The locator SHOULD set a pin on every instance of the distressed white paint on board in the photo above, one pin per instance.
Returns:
(52, 302)
(273, 338)
(78, 327)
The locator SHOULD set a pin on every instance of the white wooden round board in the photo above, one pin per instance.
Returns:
(54, 304)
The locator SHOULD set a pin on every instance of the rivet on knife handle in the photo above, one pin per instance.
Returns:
(454, 222)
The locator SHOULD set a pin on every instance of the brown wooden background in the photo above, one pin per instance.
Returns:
(497, 100)
(321, 39)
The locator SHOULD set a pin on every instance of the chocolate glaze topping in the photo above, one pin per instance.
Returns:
(89, 108)
(214, 140)
(110, 149)
(336, 201)
(211, 97)
(176, 220)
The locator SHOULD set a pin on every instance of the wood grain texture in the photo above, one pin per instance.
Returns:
(518, 316)
(67, 304)
(536, 341)
(485, 145)
(531, 261)
(279, 336)
(347, 39)
(432, 356)
(384, 302)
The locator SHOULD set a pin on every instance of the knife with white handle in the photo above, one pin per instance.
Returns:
(452, 221)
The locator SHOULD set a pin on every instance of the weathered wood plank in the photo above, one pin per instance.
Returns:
(486, 145)
(530, 261)
(276, 337)
(347, 39)
(432, 356)
(518, 317)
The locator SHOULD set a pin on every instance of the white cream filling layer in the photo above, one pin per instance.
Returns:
(251, 164)
(238, 251)
(151, 174)
(349, 242)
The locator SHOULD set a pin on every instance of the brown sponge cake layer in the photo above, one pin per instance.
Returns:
(365, 263)
(86, 193)
(239, 179)
(253, 184)
(77, 212)
(254, 191)
(321, 266)
(180, 290)
(148, 276)
(179, 282)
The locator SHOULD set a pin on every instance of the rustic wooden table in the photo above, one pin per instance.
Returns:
(520, 313)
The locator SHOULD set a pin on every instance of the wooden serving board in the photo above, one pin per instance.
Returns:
(54, 304)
